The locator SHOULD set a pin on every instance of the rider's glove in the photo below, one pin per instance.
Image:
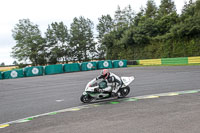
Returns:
(101, 90)
(96, 90)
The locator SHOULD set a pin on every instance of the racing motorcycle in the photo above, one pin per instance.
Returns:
(91, 90)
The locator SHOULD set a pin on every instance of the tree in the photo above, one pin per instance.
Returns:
(188, 10)
(57, 38)
(82, 40)
(128, 15)
(166, 7)
(197, 9)
(111, 41)
(123, 18)
(139, 17)
(104, 27)
(29, 42)
(2, 64)
(166, 22)
(151, 9)
(15, 63)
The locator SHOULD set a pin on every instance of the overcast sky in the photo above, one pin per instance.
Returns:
(44, 12)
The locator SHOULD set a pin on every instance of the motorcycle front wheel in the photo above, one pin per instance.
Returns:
(86, 98)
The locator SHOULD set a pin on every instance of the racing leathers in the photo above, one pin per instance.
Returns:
(113, 83)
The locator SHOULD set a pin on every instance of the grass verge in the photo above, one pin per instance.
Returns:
(2, 69)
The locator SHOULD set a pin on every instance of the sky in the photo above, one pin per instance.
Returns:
(45, 12)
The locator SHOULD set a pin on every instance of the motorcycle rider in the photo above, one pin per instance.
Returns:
(110, 78)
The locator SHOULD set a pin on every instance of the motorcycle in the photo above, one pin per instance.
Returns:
(91, 90)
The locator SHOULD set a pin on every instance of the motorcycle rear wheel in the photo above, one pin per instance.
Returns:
(124, 91)
(86, 98)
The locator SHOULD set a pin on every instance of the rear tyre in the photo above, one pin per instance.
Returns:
(86, 98)
(124, 91)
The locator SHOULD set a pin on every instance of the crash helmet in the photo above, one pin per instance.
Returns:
(105, 73)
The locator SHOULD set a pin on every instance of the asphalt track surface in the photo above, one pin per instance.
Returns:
(20, 98)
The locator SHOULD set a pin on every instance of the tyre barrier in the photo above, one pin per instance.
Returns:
(13, 74)
(1, 75)
(33, 71)
(119, 63)
(104, 64)
(87, 66)
(53, 69)
(62, 68)
(133, 62)
(74, 67)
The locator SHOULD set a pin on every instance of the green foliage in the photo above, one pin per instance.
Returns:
(15, 63)
(151, 9)
(166, 22)
(104, 26)
(29, 43)
(166, 7)
(57, 38)
(21, 65)
(155, 32)
(82, 40)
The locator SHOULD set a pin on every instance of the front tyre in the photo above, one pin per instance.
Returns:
(86, 98)
(124, 91)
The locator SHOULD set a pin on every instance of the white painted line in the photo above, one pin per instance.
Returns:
(61, 100)
(45, 114)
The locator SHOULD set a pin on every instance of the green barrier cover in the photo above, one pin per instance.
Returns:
(181, 60)
(53, 69)
(74, 67)
(0, 75)
(86, 66)
(104, 64)
(119, 63)
(33, 71)
(13, 74)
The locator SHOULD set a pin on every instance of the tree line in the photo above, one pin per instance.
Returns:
(153, 32)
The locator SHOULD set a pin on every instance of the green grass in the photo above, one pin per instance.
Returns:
(198, 64)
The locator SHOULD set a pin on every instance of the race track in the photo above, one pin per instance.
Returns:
(20, 98)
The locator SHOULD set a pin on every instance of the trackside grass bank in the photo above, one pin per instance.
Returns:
(164, 65)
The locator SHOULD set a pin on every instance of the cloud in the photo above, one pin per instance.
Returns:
(5, 56)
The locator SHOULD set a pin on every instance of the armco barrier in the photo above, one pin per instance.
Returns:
(119, 63)
(74, 67)
(13, 74)
(181, 60)
(150, 62)
(192, 60)
(86, 66)
(53, 69)
(168, 61)
(33, 71)
(104, 64)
